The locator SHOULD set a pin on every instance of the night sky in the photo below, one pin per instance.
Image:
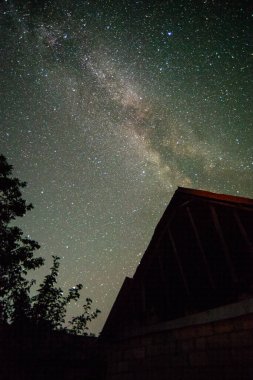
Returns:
(107, 107)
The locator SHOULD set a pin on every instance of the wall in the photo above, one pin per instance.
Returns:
(216, 344)
(221, 349)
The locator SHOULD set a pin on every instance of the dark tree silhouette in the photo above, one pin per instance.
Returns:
(16, 251)
(79, 324)
(47, 309)
(50, 305)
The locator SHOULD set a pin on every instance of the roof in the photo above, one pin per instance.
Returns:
(200, 257)
(215, 196)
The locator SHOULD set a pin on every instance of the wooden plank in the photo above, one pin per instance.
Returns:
(201, 249)
(180, 267)
(223, 243)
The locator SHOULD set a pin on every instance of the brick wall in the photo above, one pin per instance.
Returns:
(214, 350)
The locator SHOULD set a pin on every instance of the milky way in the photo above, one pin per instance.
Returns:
(106, 108)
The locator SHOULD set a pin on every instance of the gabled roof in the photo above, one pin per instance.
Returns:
(200, 256)
(181, 199)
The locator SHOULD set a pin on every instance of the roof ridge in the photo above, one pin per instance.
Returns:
(216, 196)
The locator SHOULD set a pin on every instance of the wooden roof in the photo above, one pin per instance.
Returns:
(200, 256)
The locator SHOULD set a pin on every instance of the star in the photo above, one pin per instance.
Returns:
(106, 110)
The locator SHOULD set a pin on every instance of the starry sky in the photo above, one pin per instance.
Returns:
(107, 107)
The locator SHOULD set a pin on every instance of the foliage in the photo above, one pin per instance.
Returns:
(50, 303)
(16, 251)
(47, 309)
(79, 324)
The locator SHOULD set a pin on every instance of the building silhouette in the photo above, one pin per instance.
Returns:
(193, 286)
(186, 314)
